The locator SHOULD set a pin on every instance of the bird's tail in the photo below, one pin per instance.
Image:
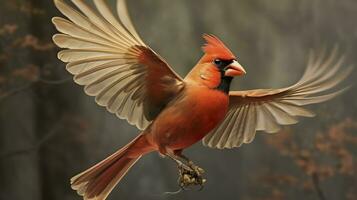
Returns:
(98, 181)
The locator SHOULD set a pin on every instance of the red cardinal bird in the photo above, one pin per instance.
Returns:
(107, 56)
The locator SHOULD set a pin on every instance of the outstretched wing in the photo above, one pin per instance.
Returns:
(106, 55)
(267, 109)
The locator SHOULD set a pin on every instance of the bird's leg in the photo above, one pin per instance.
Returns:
(189, 162)
(180, 164)
(193, 176)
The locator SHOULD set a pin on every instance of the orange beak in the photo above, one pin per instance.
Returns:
(234, 69)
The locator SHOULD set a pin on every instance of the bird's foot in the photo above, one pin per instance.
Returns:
(190, 175)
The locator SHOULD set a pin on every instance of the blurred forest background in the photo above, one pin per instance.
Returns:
(50, 130)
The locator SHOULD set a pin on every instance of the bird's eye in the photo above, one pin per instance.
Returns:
(217, 62)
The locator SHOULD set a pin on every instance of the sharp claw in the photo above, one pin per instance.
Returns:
(204, 181)
(200, 170)
(182, 166)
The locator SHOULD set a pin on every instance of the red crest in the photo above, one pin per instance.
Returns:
(215, 47)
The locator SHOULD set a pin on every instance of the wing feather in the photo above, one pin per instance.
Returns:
(104, 10)
(102, 24)
(125, 19)
(226, 133)
(80, 20)
(238, 128)
(67, 27)
(268, 109)
(248, 135)
(106, 55)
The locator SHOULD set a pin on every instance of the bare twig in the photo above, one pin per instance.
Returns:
(55, 82)
(14, 91)
(17, 152)
(35, 147)
(27, 86)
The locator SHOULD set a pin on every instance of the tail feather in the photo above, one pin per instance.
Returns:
(98, 181)
(100, 188)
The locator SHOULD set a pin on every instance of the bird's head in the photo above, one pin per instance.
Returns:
(217, 67)
(220, 57)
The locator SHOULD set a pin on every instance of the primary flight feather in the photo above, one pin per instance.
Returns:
(106, 55)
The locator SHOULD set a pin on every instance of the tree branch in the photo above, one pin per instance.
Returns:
(55, 82)
(54, 131)
(27, 86)
(14, 91)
